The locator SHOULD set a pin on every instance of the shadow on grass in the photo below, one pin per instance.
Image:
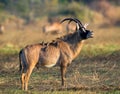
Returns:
(104, 68)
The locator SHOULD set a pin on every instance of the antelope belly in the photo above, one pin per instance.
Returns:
(50, 65)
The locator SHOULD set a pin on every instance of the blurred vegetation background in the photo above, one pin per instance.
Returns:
(29, 17)
(21, 23)
(106, 10)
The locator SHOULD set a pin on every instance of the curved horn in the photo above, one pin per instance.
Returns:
(81, 25)
(78, 23)
(70, 20)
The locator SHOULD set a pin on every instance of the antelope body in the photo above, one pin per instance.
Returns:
(59, 52)
(2, 29)
(54, 27)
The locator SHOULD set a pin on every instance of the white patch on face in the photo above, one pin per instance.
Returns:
(49, 66)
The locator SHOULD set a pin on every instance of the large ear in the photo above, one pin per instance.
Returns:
(85, 26)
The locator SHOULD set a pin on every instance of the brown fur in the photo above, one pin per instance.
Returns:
(2, 29)
(53, 28)
(59, 52)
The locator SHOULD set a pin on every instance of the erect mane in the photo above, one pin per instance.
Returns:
(67, 37)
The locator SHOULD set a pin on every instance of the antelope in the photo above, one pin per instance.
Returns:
(2, 29)
(61, 52)
(54, 27)
(70, 28)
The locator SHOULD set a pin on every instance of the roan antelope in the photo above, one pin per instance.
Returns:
(2, 29)
(54, 28)
(59, 52)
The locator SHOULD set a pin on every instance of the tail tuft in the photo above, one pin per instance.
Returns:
(20, 66)
(23, 62)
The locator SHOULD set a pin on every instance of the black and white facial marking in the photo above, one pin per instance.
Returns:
(80, 28)
(85, 34)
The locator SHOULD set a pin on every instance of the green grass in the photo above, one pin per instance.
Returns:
(15, 91)
(94, 50)
(9, 50)
(48, 92)
(89, 74)
(95, 71)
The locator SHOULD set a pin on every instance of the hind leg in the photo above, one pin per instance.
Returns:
(23, 81)
(27, 76)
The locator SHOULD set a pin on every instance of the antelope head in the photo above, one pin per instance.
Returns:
(82, 31)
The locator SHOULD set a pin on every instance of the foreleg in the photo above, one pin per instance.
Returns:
(63, 73)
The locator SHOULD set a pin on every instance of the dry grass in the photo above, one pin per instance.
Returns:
(96, 70)
(90, 74)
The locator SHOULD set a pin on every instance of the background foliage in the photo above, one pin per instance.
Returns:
(82, 9)
(95, 71)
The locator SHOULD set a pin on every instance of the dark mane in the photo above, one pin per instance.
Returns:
(71, 38)
(61, 51)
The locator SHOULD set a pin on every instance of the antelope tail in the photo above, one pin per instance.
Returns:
(23, 62)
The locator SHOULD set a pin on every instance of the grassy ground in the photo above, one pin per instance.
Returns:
(95, 71)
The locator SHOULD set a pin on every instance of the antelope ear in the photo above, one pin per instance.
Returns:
(85, 26)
